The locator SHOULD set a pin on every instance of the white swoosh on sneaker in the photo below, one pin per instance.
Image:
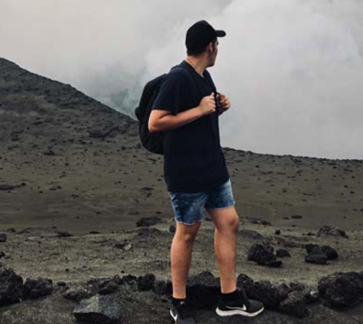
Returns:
(175, 318)
(239, 308)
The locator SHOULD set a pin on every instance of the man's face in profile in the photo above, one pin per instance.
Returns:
(213, 53)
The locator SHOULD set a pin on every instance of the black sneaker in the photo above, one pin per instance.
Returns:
(242, 306)
(181, 313)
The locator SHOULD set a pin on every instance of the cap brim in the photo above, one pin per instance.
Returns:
(220, 33)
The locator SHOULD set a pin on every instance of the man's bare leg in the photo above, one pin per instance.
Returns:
(181, 255)
(225, 232)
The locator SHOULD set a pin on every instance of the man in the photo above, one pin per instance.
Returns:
(187, 109)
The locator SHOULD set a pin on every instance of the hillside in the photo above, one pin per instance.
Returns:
(74, 180)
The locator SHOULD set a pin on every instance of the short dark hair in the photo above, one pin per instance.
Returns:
(198, 51)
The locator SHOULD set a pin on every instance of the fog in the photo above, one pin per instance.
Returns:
(293, 69)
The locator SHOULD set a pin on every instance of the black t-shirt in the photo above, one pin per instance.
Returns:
(193, 157)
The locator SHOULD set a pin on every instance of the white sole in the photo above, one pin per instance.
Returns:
(171, 313)
(237, 312)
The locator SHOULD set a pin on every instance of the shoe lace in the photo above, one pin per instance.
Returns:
(244, 297)
(184, 310)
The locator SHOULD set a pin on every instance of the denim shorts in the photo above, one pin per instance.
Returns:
(189, 207)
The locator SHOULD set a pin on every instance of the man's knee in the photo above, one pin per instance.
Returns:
(225, 219)
(229, 227)
(186, 232)
(233, 222)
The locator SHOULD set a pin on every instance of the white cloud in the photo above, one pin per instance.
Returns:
(293, 69)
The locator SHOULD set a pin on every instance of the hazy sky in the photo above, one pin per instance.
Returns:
(293, 69)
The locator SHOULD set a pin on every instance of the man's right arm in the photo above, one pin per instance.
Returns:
(163, 120)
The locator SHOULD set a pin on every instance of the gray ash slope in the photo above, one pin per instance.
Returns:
(44, 109)
(70, 163)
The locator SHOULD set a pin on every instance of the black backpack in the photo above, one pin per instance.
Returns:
(153, 142)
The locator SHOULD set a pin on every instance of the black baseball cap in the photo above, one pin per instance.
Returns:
(200, 34)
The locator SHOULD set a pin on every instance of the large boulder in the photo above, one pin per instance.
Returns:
(341, 289)
(146, 282)
(99, 309)
(11, 287)
(104, 286)
(35, 288)
(331, 231)
(267, 293)
(263, 254)
(317, 258)
(295, 304)
(330, 252)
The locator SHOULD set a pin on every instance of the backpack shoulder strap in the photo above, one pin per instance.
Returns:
(209, 79)
(187, 68)
(191, 73)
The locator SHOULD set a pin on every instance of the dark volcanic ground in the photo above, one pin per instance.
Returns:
(70, 163)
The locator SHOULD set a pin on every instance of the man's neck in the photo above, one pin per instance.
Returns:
(198, 65)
